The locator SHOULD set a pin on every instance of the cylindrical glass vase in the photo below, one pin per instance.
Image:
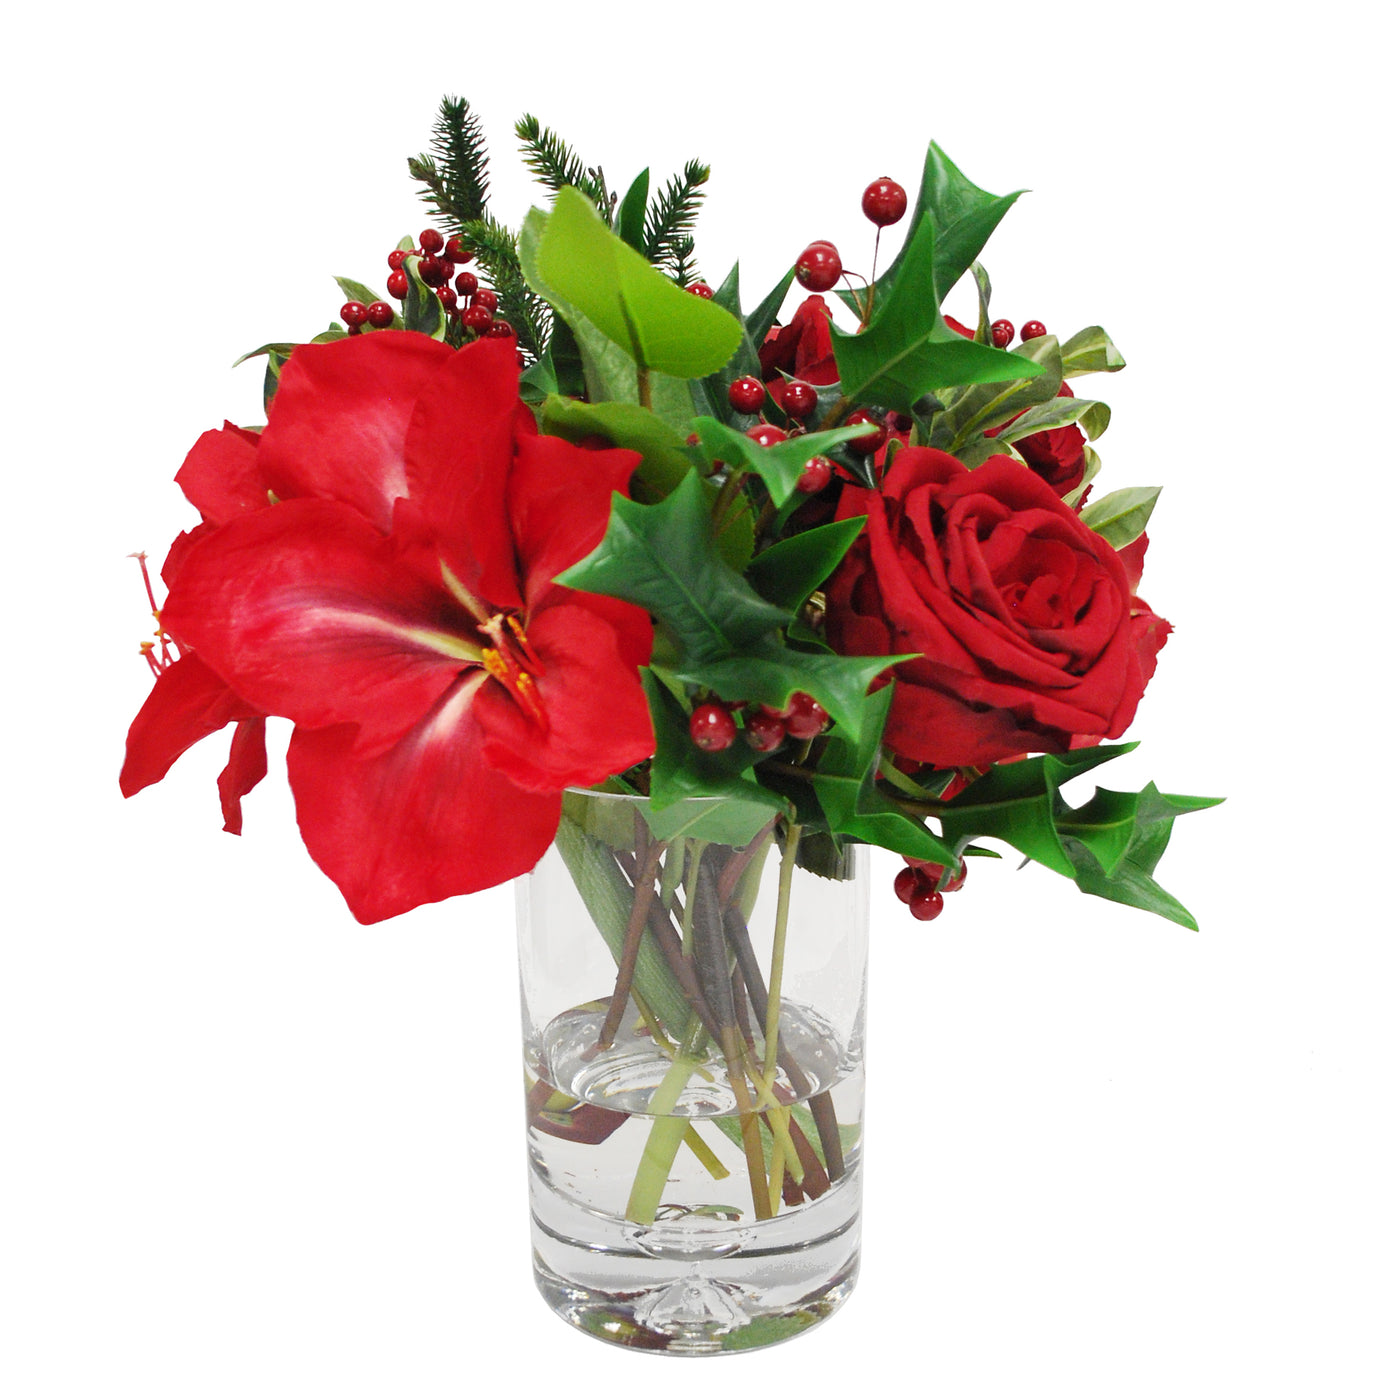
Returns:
(693, 997)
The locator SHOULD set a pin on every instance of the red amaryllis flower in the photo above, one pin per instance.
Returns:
(802, 348)
(397, 603)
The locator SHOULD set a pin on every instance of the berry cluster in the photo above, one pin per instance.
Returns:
(1003, 332)
(921, 885)
(713, 728)
(462, 296)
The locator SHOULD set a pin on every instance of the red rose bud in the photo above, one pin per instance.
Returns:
(818, 266)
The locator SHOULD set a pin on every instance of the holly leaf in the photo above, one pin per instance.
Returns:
(909, 350)
(778, 466)
(963, 218)
(1090, 352)
(984, 406)
(788, 572)
(663, 558)
(657, 324)
(1121, 516)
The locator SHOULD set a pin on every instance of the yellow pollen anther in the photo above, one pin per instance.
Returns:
(496, 664)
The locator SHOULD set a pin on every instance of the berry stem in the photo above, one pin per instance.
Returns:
(644, 386)
(643, 893)
(727, 494)
(775, 971)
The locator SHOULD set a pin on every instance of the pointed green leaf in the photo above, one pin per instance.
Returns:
(1121, 516)
(1090, 352)
(760, 321)
(984, 406)
(422, 311)
(632, 212)
(909, 350)
(1092, 464)
(661, 327)
(1092, 416)
(778, 466)
(357, 291)
(663, 558)
(788, 572)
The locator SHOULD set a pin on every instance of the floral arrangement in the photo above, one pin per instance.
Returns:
(556, 513)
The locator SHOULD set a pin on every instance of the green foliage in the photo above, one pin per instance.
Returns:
(553, 163)
(630, 224)
(788, 572)
(670, 221)
(1121, 516)
(909, 350)
(454, 175)
(778, 466)
(584, 268)
(1089, 352)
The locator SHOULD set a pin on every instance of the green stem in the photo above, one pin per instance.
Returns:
(667, 1129)
(643, 386)
(775, 972)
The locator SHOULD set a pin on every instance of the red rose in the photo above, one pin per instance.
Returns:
(1056, 456)
(1024, 617)
(802, 348)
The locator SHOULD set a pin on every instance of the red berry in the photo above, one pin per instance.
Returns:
(398, 284)
(499, 329)
(353, 330)
(433, 271)
(466, 283)
(354, 313)
(866, 443)
(430, 240)
(380, 314)
(906, 884)
(396, 259)
(926, 904)
(701, 289)
(1002, 333)
(816, 475)
(884, 202)
(447, 297)
(455, 252)
(1032, 329)
(746, 395)
(797, 398)
(804, 718)
(477, 318)
(712, 728)
(764, 731)
(819, 266)
(767, 434)
(484, 296)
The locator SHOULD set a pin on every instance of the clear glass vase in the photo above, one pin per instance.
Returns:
(694, 1009)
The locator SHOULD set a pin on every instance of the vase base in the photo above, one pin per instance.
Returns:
(696, 1293)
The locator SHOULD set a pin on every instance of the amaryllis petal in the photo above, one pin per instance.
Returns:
(246, 768)
(458, 455)
(221, 476)
(559, 498)
(426, 819)
(305, 610)
(595, 716)
(337, 426)
(187, 703)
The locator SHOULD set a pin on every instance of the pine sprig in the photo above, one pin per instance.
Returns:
(496, 252)
(683, 267)
(454, 176)
(552, 162)
(671, 218)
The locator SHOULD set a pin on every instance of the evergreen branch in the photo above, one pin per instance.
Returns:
(551, 160)
(682, 258)
(494, 247)
(671, 217)
(454, 176)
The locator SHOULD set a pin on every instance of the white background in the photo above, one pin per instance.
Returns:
(253, 1149)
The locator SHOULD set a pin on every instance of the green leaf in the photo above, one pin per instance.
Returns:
(788, 572)
(1121, 516)
(768, 673)
(760, 321)
(663, 558)
(1092, 464)
(984, 303)
(1092, 415)
(1090, 352)
(963, 219)
(357, 291)
(283, 348)
(682, 772)
(632, 212)
(422, 311)
(985, 406)
(909, 350)
(778, 466)
(539, 381)
(660, 326)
